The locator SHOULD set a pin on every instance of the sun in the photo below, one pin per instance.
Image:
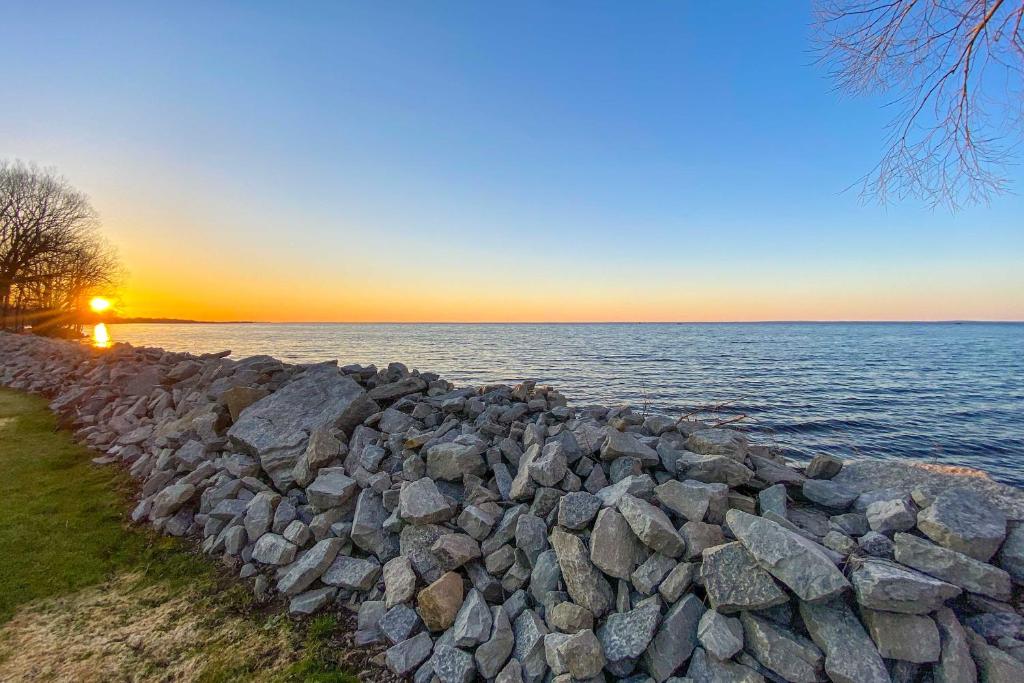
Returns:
(99, 304)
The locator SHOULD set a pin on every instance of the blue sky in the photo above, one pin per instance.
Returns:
(562, 160)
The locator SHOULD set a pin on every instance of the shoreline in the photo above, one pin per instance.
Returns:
(497, 532)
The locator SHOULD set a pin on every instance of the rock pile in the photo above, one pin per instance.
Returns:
(495, 533)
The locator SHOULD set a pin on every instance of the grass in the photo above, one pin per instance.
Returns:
(84, 597)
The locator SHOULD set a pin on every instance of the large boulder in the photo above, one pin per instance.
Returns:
(965, 521)
(276, 428)
(850, 655)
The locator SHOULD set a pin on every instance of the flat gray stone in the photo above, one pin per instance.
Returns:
(352, 573)
(331, 488)
(675, 639)
(952, 567)
(274, 549)
(651, 526)
(452, 665)
(614, 548)
(528, 650)
(850, 654)
(473, 622)
(829, 494)
(734, 581)
(798, 562)
(495, 651)
(309, 567)
(789, 655)
(583, 581)
(965, 521)
(887, 586)
(955, 664)
(420, 502)
(625, 635)
(402, 659)
(907, 637)
(694, 500)
(576, 510)
(720, 635)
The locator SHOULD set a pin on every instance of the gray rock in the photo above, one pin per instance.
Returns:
(735, 582)
(907, 637)
(694, 500)
(420, 502)
(528, 650)
(675, 639)
(259, 513)
(704, 669)
(823, 466)
(556, 664)
(399, 581)
(546, 575)
(890, 587)
(568, 617)
(511, 673)
(473, 622)
(492, 654)
(952, 567)
(311, 602)
(850, 523)
(964, 521)
(712, 469)
(649, 575)
(274, 549)
(773, 499)
(955, 664)
(651, 526)
(1011, 554)
(875, 545)
(275, 428)
(614, 548)
(549, 468)
(791, 656)
(640, 486)
(322, 448)
(626, 445)
(352, 573)
(829, 494)
(994, 665)
(850, 655)
(450, 461)
(798, 562)
(720, 635)
(887, 516)
(531, 536)
(576, 510)
(309, 567)
(454, 550)
(171, 499)
(625, 635)
(368, 530)
(452, 665)
(583, 581)
(677, 582)
(476, 522)
(717, 442)
(402, 659)
(399, 623)
(582, 655)
(698, 536)
(331, 488)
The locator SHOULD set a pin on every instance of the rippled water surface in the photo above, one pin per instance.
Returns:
(950, 393)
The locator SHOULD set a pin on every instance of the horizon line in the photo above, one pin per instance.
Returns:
(176, 321)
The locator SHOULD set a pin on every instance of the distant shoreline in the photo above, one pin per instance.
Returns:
(175, 321)
(178, 321)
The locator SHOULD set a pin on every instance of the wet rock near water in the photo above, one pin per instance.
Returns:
(496, 533)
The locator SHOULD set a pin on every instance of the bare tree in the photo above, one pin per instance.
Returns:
(955, 68)
(50, 253)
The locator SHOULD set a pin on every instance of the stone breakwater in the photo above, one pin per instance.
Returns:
(495, 533)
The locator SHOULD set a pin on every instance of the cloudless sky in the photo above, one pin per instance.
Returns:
(451, 161)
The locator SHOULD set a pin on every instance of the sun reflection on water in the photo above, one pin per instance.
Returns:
(100, 336)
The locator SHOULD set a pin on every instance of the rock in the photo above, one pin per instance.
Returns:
(791, 656)
(331, 488)
(452, 665)
(626, 445)
(492, 654)
(476, 522)
(309, 567)
(352, 573)
(735, 582)
(829, 494)
(454, 550)
(449, 461)
(675, 639)
(887, 516)
(473, 621)
(773, 500)
(531, 536)
(549, 468)
(512, 673)
(582, 580)
(955, 664)
(649, 575)
(640, 486)
(798, 562)
(694, 500)
(402, 659)
(704, 669)
(238, 399)
(651, 526)
(717, 442)
(368, 530)
(678, 580)
(582, 655)
(399, 623)
(528, 650)
(720, 635)
(1011, 555)
(399, 581)
(625, 635)
(994, 665)
(311, 602)
(322, 448)
(568, 617)
(875, 545)
(890, 587)
(546, 576)
(699, 536)
(171, 499)
(907, 637)
(964, 521)
(439, 603)
(576, 510)
(274, 549)
(823, 466)
(952, 567)
(712, 469)
(275, 428)
(614, 548)
(421, 503)
(850, 655)
(398, 389)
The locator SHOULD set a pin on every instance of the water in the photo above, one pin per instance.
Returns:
(949, 393)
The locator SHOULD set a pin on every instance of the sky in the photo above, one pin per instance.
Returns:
(466, 161)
